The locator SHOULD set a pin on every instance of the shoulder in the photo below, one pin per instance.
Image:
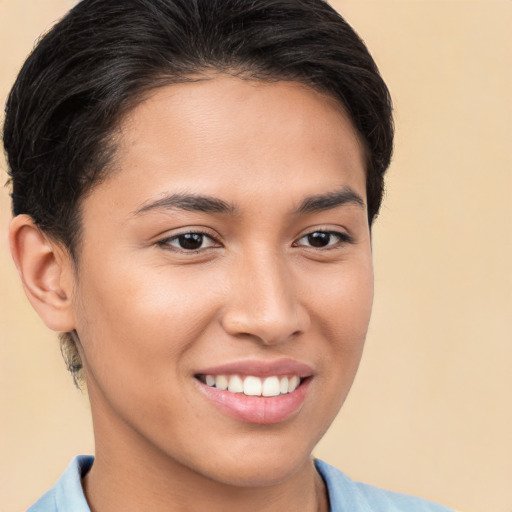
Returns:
(348, 496)
(67, 494)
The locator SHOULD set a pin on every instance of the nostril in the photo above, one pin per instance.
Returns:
(268, 331)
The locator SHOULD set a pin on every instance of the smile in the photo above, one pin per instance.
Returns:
(258, 392)
(251, 385)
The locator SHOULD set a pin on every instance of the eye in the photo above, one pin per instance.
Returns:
(321, 239)
(189, 242)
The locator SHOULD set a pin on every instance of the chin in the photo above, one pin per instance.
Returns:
(259, 464)
(272, 471)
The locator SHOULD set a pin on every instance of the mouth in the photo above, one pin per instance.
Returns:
(258, 393)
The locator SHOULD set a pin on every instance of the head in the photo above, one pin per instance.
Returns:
(95, 84)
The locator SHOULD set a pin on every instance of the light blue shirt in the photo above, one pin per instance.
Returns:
(345, 495)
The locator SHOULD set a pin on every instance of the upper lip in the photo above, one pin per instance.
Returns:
(259, 368)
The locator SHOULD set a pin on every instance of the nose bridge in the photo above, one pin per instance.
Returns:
(263, 301)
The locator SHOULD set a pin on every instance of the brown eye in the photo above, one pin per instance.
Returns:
(319, 239)
(189, 242)
(322, 239)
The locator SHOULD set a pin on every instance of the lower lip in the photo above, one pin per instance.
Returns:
(257, 409)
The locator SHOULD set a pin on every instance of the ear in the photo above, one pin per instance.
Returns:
(46, 272)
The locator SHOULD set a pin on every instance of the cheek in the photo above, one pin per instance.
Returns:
(138, 336)
(145, 318)
(343, 299)
(354, 306)
(342, 309)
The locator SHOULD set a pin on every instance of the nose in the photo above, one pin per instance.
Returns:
(263, 303)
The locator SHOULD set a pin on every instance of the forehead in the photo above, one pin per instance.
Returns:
(227, 136)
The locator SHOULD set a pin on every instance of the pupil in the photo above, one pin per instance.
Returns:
(319, 239)
(191, 241)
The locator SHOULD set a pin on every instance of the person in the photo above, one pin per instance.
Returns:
(194, 184)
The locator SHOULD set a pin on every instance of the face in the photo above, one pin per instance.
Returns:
(230, 247)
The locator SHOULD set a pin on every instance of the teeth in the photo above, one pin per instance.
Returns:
(235, 384)
(293, 383)
(283, 385)
(271, 387)
(254, 386)
(221, 382)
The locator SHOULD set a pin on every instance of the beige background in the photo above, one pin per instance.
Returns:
(431, 410)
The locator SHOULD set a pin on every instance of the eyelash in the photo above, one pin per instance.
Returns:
(342, 239)
(166, 242)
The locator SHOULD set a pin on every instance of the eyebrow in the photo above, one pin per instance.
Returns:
(321, 202)
(189, 202)
(208, 204)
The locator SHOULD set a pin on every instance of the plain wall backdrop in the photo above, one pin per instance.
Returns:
(430, 412)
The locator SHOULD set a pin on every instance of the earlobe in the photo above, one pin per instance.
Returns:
(45, 269)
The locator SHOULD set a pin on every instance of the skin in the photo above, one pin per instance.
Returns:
(150, 314)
